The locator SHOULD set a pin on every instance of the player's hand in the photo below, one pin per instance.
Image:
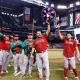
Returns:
(58, 26)
(47, 21)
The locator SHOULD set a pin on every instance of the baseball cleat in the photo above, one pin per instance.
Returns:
(5, 71)
(17, 73)
(30, 75)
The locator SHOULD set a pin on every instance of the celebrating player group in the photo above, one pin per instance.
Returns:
(35, 51)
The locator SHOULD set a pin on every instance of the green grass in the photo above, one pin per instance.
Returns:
(56, 69)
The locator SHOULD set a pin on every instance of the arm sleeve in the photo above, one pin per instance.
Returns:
(24, 44)
(44, 35)
(12, 45)
(63, 40)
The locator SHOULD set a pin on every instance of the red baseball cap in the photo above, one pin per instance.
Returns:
(29, 33)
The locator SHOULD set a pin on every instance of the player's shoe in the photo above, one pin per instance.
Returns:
(30, 75)
(76, 78)
(15, 73)
(5, 71)
(65, 78)
(34, 65)
(18, 73)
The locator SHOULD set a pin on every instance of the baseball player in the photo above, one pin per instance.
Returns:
(6, 53)
(41, 45)
(16, 47)
(27, 46)
(70, 46)
(1, 51)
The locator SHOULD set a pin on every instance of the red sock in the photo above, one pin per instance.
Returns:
(75, 72)
(65, 72)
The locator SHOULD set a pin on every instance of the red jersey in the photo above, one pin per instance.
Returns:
(1, 44)
(7, 45)
(30, 44)
(17, 49)
(69, 48)
(41, 43)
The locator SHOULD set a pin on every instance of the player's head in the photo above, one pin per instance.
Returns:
(11, 37)
(69, 35)
(16, 37)
(6, 37)
(39, 33)
(30, 36)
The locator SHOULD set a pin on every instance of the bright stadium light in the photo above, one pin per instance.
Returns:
(7, 14)
(77, 3)
(61, 7)
(15, 15)
(37, 2)
(2, 12)
(47, 3)
(52, 5)
(11, 14)
(71, 5)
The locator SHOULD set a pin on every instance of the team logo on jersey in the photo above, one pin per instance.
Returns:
(68, 42)
(39, 41)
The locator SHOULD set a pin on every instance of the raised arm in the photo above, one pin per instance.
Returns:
(48, 27)
(59, 33)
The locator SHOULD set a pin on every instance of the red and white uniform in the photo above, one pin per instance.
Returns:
(7, 45)
(69, 48)
(6, 53)
(69, 56)
(27, 60)
(41, 45)
(1, 50)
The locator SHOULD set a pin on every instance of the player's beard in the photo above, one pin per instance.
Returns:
(69, 38)
(39, 36)
(30, 39)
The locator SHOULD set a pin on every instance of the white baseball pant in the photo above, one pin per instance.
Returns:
(1, 56)
(5, 60)
(26, 60)
(70, 61)
(42, 60)
(17, 62)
